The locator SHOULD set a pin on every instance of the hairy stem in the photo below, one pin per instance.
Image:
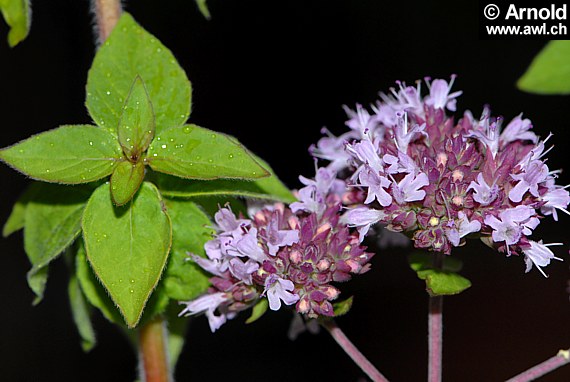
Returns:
(153, 353)
(553, 363)
(353, 352)
(435, 330)
(107, 13)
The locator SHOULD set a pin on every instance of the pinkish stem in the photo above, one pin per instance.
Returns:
(435, 327)
(107, 14)
(553, 363)
(435, 330)
(353, 352)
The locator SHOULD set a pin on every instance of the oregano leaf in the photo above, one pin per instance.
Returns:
(127, 246)
(136, 126)
(442, 283)
(549, 71)
(92, 288)
(17, 14)
(196, 153)
(81, 312)
(16, 219)
(52, 222)
(270, 188)
(125, 181)
(191, 229)
(131, 51)
(439, 282)
(68, 154)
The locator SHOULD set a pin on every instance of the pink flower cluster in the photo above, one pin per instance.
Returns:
(417, 171)
(287, 255)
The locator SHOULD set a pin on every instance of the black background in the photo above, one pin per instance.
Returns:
(273, 73)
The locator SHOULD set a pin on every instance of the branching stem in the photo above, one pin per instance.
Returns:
(353, 352)
(553, 363)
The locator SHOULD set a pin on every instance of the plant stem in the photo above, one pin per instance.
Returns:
(553, 363)
(353, 352)
(153, 353)
(107, 14)
(435, 330)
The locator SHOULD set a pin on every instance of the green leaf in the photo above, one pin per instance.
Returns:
(92, 288)
(342, 307)
(258, 310)
(52, 222)
(183, 279)
(203, 8)
(136, 126)
(125, 181)
(16, 219)
(127, 246)
(80, 311)
(439, 282)
(17, 14)
(68, 154)
(442, 283)
(196, 153)
(270, 188)
(130, 51)
(549, 71)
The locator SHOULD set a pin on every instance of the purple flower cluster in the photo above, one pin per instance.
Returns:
(287, 255)
(415, 170)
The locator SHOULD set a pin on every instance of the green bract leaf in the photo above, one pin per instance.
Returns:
(265, 188)
(130, 51)
(549, 71)
(342, 307)
(17, 14)
(183, 279)
(92, 288)
(81, 312)
(68, 154)
(439, 282)
(258, 310)
(125, 181)
(136, 126)
(52, 222)
(196, 153)
(127, 246)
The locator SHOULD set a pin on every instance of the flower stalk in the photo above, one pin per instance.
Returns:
(153, 353)
(352, 351)
(553, 363)
(435, 330)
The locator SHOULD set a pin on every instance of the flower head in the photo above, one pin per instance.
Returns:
(290, 256)
(419, 172)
